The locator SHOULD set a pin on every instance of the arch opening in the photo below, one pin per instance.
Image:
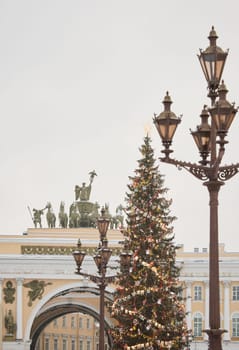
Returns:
(58, 306)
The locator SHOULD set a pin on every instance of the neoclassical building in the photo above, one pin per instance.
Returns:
(71, 331)
(40, 292)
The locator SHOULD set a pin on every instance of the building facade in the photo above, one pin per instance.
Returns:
(44, 303)
(70, 332)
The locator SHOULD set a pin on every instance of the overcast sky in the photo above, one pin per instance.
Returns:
(80, 80)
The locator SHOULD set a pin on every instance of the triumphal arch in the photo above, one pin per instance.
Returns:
(38, 282)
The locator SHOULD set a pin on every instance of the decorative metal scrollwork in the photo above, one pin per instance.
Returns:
(199, 173)
(227, 173)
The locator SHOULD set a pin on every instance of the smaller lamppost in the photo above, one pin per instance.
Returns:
(101, 259)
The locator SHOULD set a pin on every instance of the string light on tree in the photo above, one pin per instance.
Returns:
(147, 303)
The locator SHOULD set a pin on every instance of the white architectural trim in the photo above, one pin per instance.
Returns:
(79, 284)
(226, 310)
(189, 304)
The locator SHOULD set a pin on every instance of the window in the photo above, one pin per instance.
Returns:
(80, 322)
(88, 323)
(55, 344)
(81, 345)
(235, 293)
(73, 344)
(73, 325)
(64, 344)
(197, 325)
(235, 325)
(88, 347)
(197, 293)
(55, 322)
(64, 322)
(47, 347)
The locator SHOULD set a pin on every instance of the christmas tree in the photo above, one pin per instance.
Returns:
(148, 302)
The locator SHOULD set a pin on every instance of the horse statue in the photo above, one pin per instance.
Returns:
(62, 216)
(93, 216)
(74, 216)
(50, 216)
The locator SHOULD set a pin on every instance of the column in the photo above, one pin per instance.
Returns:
(206, 309)
(1, 311)
(189, 304)
(19, 319)
(226, 310)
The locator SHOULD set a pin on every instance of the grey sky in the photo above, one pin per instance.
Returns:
(79, 82)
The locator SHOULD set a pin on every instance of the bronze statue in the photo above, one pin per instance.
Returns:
(50, 216)
(74, 216)
(63, 218)
(83, 192)
(92, 175)
(37, 213)
(82, 212)
(9, 323)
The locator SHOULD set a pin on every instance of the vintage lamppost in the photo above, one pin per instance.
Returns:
(210, 140)
(101, 260)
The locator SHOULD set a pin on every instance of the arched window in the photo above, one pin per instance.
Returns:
(197, 325)
(235, 324)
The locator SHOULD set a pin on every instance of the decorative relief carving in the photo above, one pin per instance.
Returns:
(37, 290)
(9, 293)
(59, 250)
(47, 250)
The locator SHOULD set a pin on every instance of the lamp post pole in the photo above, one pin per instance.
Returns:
(102, 315)
(209, 137)
(101, 260)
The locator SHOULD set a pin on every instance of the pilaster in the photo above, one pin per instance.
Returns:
(189, 304)
(19, 334)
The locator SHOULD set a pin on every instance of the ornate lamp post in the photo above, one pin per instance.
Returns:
(101, 260)
(210, 140)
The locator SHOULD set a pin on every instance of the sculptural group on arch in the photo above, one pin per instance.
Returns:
(81, 213)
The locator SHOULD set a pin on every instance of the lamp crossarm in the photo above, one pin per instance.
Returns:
(204, 173)
(199, 171)
(98, 279)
